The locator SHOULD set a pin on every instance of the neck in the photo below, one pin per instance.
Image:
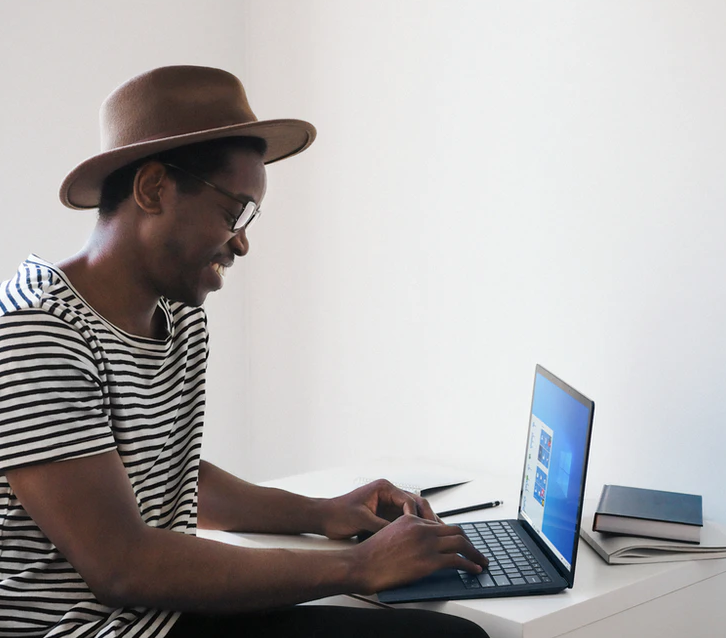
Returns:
(104, 272)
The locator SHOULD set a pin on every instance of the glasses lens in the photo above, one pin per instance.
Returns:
(248, 215)
(254, 218)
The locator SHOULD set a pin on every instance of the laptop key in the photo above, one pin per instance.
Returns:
(471, 583)
(501, 580)
(510, 561)
(486, 580)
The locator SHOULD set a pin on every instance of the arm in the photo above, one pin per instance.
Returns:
(229, 503)
(87, 508)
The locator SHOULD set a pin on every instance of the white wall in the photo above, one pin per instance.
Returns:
(494, 185)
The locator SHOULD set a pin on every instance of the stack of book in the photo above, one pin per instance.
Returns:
(638, 525)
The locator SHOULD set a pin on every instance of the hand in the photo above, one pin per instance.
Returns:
(370, 508)
(411, 548)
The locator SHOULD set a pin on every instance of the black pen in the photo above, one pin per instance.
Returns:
(470, 508)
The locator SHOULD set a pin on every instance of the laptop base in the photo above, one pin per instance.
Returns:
(447, 584)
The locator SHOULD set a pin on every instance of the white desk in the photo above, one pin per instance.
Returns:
(663, 600)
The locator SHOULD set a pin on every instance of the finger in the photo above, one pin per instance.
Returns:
(425, 510)
(451, 530)
(410, 507)
(406, 501)
(372, 523)
(457, 561)
(379, 523)
(455, 544)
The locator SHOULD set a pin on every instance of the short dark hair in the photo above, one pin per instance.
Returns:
(204, 159)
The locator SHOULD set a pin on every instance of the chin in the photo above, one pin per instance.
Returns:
(196, 301)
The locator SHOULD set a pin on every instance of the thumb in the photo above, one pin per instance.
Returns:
(369, 522)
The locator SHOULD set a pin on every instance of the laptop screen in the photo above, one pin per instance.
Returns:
(555, 465)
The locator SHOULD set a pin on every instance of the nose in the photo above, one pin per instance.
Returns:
(239, 244)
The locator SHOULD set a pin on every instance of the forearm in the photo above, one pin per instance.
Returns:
(168, 570)
(229, 503)
(87, 509)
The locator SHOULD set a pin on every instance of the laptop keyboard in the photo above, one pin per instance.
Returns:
(510, 562)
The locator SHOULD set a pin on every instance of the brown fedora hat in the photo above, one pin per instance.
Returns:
(174, 106)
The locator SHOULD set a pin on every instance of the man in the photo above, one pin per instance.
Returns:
(102, 360)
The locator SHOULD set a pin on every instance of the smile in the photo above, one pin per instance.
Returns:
(219, 269)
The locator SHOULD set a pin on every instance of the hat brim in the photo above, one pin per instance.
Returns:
(81, 189)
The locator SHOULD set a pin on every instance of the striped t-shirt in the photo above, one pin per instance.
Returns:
(73, 385)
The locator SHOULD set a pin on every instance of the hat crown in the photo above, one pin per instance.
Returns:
(171, 101)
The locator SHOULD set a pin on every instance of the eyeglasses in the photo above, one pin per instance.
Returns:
(250, 211)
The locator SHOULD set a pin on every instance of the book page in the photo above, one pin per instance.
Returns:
(632, 549)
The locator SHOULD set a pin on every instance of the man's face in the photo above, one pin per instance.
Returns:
(193, 241)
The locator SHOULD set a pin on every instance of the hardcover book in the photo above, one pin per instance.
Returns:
(635, 511)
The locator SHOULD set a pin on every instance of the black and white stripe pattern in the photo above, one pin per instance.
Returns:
(73, 385)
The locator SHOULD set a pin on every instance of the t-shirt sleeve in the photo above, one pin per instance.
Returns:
(52, 406)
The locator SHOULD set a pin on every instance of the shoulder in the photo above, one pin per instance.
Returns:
(33, 280)
(37, 286)
(39, 312)
(36, 295)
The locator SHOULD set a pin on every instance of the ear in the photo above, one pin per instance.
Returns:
(148, 187)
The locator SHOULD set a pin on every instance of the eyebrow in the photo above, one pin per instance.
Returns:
(245, 196)
(239, 196)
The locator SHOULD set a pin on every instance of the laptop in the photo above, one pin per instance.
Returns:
(536, 552)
